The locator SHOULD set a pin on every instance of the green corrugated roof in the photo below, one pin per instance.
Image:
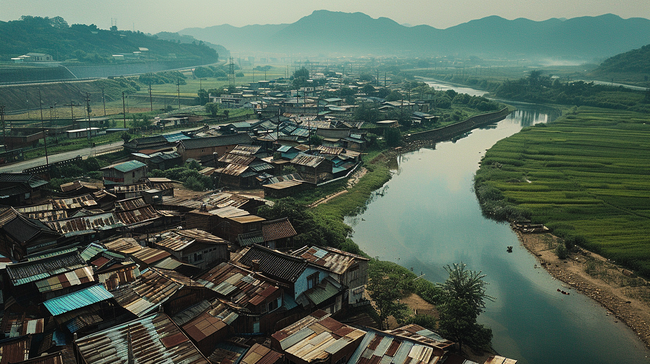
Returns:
(82, 298)
(129, 166)
(322, 292)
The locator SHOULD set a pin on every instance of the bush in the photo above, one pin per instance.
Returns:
(562, 251)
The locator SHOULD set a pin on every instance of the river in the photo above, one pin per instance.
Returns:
(427, 216)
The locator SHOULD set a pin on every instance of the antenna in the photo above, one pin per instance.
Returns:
(231, 73)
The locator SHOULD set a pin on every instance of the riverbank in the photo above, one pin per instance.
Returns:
(626, 297)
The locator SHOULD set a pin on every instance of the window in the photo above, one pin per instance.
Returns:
(312, 280)
(272, 305)
(198, 257)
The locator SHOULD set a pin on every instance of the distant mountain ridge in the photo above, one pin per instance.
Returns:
(338, 33)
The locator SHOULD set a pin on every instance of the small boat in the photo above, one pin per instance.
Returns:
(509, 249)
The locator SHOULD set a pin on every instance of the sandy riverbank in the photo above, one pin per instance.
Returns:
(623, 295)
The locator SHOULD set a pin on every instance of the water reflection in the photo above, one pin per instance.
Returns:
(429, 217)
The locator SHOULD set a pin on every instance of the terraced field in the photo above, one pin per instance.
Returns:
(586, 176)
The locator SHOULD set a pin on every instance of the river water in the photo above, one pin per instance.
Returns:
(427, 216)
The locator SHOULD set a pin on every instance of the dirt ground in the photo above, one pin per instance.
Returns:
(625, 296)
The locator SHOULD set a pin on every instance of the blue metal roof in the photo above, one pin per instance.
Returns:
(82, 298)
(175, 137)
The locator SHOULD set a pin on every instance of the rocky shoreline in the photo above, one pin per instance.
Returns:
(616, 289)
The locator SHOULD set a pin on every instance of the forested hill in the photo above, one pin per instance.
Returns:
(338, 33)
(89, 44)
(632, 66)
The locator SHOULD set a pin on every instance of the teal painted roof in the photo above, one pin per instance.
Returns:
(324, 291)
(75, 300)
(129, 166)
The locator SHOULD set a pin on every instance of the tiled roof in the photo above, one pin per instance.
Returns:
(316, 337)
(242, 287)
(274, 263)
(31, 271)
(22, 228)
(334, 260)
(78, 299)
(152, 339)
(278, 229)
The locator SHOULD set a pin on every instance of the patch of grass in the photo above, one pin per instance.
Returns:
(588, 177)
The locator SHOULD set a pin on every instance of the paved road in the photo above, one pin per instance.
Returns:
(85, 152)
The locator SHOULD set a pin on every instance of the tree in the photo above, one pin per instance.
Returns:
(394, 96)
(463, 300)
(393, 137)
(315, 140)
(203, 97)
(385, 292)
(202, 72)
(126, 137)
(466, 285)
(212, 108)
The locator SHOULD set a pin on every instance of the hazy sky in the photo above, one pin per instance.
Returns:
(152, 16)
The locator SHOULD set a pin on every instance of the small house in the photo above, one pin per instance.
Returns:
(126, 173)
(194, 246)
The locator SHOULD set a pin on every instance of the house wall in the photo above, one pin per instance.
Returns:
(201, 255)
(302, 285)
(199, 152)
(129, 178)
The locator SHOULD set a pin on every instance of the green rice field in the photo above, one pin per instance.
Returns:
(586, 176)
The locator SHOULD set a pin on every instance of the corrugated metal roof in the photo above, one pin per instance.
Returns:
(152, 339)
(307, 160)
(233, 169)
(178, 240)
(259, 354)
(334, 260)
(126, 166)
(31, 271)
(214, 319)
(91, 251)
(123, 245)
(150, 255)
(64, 280)
(242, 287)
(150, 290)
(377, 347)
(327, 289)
(86, 224)
(312, 338)
(236, 159)
(82, 298)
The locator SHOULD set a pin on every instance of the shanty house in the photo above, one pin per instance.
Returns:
(19, 188)
(194, 246)
(126, 173)
(348, 269)
(309, 285)
(21, 235)
(313, 169)
(196, 148)
(250, 293)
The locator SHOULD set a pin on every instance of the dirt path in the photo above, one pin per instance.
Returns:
(625, 296)
(354, 179)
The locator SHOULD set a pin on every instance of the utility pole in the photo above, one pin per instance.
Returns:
(72, 111)
(88, 113)
(150, 99)
(178, 92)
(40, 101)
(104, 101)
(124, 109)
(4, 131)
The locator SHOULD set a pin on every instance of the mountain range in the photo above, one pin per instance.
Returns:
(356, 34)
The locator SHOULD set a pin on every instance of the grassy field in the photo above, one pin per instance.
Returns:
(586, 176)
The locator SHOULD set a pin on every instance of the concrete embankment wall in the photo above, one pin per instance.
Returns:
(450, 131)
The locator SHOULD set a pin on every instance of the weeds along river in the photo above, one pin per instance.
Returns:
(427, 216)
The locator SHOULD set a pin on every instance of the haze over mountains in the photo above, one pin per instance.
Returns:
(355, 34)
